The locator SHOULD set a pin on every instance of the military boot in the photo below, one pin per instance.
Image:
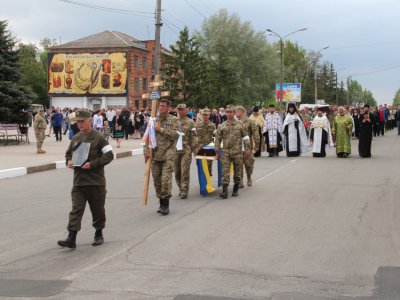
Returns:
(161, 206)
(241, 186)
(249, 181)
(98, 238)
(165, 208)
(224, 193)
(235, 190)
(70, 241)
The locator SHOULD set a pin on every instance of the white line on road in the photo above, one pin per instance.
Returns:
(275, 171)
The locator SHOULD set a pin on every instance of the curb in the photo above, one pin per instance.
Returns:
(22, 171)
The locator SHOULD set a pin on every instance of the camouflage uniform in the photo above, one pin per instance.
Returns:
(183, 158)
(205, 132)
(233, 135)
(254, 142)
(162, 163)
(39, 126)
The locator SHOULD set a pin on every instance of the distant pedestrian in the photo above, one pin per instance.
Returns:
(56, 120)
(40, 126)
(364, 145)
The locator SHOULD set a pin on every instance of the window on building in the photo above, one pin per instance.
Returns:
(136, 62)
(144, 63)
(137, 104)
(144, 104)
(144, 81)
(136, 84)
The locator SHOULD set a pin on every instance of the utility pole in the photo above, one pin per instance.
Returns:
(337, 95)
(348, 91)
(157, 50)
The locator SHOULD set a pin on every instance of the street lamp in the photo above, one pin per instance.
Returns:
(315, 73)
(337, 95)
(281, 38)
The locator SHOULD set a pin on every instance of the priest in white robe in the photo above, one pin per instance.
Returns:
(320, 134)
(273, 132)
(295, 132)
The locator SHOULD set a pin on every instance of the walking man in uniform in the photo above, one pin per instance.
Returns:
(233, 135)
(162, 163)
(89, 183)
(186, 145)
(205, 132)
(254, 142)
(40, 126)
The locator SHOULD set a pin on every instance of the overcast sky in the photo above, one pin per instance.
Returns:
(362, 34)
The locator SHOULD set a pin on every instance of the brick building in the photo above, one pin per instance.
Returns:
(109, 68)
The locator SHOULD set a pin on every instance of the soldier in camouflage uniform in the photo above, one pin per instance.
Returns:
(183, 157)
(205, 132)
(40, 126)
(233, 135)
(254, 142)
(162, 164)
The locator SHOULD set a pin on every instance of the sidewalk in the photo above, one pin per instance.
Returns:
(17, 160)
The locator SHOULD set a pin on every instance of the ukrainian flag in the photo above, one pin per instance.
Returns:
(205, 182)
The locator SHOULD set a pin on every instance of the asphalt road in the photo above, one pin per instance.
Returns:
(308, 229)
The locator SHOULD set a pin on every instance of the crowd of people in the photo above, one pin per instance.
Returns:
(233, 135)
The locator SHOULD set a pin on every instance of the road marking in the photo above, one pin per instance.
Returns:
(275, 171)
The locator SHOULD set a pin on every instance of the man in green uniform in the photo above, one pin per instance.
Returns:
(40, 126)
(254, 142)
(205, 132)
(89, 182)
(186, 145)
(162, 163)
(233, 135)
(341, 131)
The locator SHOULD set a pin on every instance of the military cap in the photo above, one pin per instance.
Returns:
(181, 106)
(256, 108)
(81, 115)
(241, 108)
(206, 111)
(230, 108)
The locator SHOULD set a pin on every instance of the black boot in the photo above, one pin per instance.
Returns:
(161, 206)
(70, 241)
(98, 238)
(165, 208)
(224, 193)
(235, 190)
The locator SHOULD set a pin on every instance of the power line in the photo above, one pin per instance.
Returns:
(179, 20)
(195, 9)
(206, 6)
(145, 14)
(172, 24)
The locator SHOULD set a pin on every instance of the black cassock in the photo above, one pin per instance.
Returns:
(364, 144)
(324, 141)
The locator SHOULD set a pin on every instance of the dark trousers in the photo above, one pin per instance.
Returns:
(96, 196)
(398, 127)
(58, 132)
(381, 128)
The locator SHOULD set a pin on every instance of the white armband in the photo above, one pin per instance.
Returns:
(246, 138)
(106, 149)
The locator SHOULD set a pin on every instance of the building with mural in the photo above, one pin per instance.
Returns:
(106, 69)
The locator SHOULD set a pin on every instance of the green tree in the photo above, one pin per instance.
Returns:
(243, 65)
(396, 99)
(13, 97)
(33, 67)
(185, 70)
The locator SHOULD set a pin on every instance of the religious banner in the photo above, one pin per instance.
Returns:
(87, 73)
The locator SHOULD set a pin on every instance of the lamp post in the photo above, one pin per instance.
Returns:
(281, 38)
(315, 74)
(337, 95)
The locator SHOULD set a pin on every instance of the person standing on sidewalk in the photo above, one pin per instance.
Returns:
(89, 183)
(40, 126)
(56, 120)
